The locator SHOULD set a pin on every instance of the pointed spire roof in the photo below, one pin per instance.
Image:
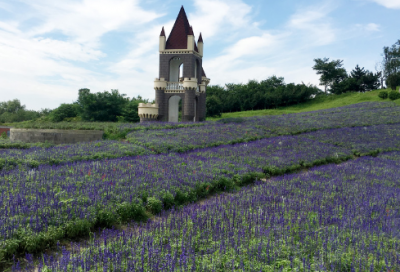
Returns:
(177, 39)
(162, 32)
(200, 38)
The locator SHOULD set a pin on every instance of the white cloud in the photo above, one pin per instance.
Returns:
(391, 4)
(36, 68)
(314, 25)
(372, 27)
(220, 19)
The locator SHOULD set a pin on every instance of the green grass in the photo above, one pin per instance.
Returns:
(319, 103)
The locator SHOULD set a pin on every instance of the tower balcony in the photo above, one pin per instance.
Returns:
(177, 87)
(173, 87)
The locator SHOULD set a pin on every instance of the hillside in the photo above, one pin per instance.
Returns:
(318, 103)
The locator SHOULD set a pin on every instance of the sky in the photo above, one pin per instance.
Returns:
(51, 49)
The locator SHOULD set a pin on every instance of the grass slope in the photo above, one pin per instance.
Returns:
(319, 103)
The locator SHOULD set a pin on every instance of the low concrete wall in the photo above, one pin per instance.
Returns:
(56, 136)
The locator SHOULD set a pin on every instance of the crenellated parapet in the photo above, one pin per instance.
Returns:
(190, 83)
(160, 84)
(203, 85)
(148, 112)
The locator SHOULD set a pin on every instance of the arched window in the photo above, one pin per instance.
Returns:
(175, 66)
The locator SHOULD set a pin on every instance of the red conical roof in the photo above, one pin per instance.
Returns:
(162, 32)
(200, 38)
(178, 37)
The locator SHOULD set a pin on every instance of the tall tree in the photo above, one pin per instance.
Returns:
(391, 59)
(330, 71)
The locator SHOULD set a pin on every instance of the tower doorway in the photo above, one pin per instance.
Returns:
(174, 112)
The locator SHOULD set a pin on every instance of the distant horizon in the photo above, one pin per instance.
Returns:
(49, 50)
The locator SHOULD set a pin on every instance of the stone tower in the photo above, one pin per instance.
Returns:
(181, 76)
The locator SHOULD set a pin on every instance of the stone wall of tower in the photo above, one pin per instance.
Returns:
(202, 106)
(189, 105)
(189, 61)
(162, 105)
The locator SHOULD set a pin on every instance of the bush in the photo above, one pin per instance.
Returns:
(3, 135)
(383, 94)
(393, 95)
(154, 205)
(64, 111)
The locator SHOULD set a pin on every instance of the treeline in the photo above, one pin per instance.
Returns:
(337, 80)
(270, 93)
(101, 106)
(12, 111)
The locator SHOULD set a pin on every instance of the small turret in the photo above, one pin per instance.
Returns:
(162, 40)
(200, 45)
(190, 39)
(148, 112)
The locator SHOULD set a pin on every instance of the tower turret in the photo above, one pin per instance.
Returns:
(162, 40)
(200, 45)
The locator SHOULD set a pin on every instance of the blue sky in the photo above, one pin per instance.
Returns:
(50, 49)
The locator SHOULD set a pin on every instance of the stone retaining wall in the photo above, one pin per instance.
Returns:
(55, 136)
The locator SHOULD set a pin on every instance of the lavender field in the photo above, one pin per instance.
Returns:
(333, 218)
(35, 156)
(361, 140)
(49, 194)
(252, 128)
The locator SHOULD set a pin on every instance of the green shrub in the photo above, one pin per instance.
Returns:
(154, 205)
(383, 94)
(168, 200)
(393, 95)
(131, 211)
(4, 135)
(64, 111)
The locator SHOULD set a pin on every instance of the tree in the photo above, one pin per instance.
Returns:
(393, 80)
(213, 106)
(330, 71)
(101, 106)
(12, 106)
(365, 80)
(391, 59)
(130, 111)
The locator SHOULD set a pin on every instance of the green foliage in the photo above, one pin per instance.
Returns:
(391, 60)
(4, 135)
(154, 205)
(12, 111)
(359, 80)
(213, 106)
(383, 94)
(101, 106)
(330, 71)
(394, 95)
(130, 111)
(168, 200)
(393, 80)
(64, 111)
(269, 93)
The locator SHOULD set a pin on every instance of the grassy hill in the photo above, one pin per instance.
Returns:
(319, 103)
